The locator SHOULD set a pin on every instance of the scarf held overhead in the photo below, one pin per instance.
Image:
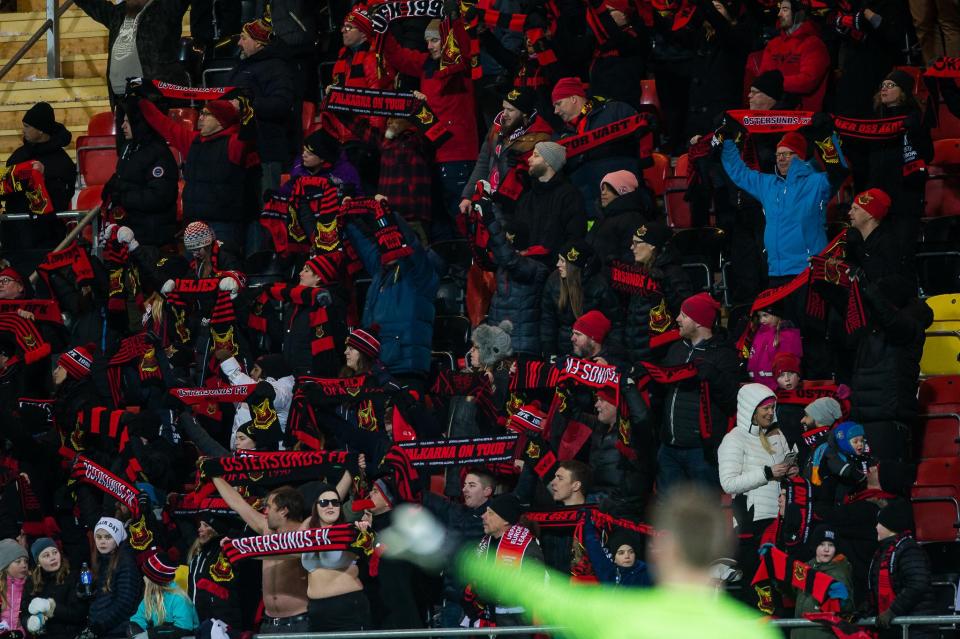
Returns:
(471, 450)
(339, 537)
(88, 472)
(263, 468)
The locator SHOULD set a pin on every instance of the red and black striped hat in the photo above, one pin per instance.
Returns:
(158, 568)
(77, 361)
(365, 340)
(325, 267)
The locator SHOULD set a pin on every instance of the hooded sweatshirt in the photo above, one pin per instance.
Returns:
(742, 457)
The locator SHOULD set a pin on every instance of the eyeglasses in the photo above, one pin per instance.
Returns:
(888, 85)
(324, 503)
(6, 280)
(782, 155)
(347, 27)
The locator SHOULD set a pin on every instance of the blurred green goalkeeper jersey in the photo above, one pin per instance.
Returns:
(593, 612)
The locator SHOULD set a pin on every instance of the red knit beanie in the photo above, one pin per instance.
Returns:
(795, 142)
(77, 361)
(225, 113)
(158, 568)
(566, 87)
(594, 325)
(259, 29)
(323, 266)
(875, 202)
(785, 363)
(365, 341)
(701, 308)
(359, 18)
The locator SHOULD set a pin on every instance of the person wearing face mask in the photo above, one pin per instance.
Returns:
(50, 602)
(799, 54)
(828, 560)
(13, 576)
(117, 583)
(752, 460)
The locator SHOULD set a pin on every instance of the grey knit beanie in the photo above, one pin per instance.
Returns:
(493, 342)
(10, 551)
(824, 411)
(553, 154)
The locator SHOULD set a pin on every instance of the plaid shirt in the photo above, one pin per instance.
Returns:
(405, 175)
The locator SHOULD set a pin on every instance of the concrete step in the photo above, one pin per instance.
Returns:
(60, 90)
(80, 65)
(74, 20)
(94, 41)
(79, 112)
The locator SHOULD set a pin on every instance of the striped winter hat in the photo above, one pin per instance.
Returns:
(324, 266)
(260, 29)
(365, 340)
(197, 235)
(158, 567)
(77, 361)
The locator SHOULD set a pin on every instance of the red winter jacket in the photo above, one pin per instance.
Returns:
(804, 61)
(450, 97)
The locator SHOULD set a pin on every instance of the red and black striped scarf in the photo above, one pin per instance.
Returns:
(338, 537)
(304, 300)
(27, 336)
(270, 468)
(667, 375)
(136, 349)
(89, 472)
(73, 258)
(279, 218)
(42, 310)
(884, 595)
(23, 178)
(776, 565)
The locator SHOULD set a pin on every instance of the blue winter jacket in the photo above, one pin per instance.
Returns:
(795, 208)
(401, 301)
(179, 611)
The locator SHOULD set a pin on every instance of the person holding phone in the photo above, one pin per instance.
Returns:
(753, 458)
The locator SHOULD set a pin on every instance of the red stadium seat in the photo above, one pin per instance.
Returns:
(96, 158)
(649, 96)
(682, 168)
(185, 115)
(936, 500)
(679, 215)
(938, 432)
(102, 124)
(90, 197)
(656, 175)
(948, 125)
(309, 110)
(939, 390)
(942, 194)
(946, 153)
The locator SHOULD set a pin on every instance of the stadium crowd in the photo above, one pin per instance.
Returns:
(457, 286)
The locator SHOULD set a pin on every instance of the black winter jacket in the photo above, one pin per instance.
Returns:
(213, 587)
(718, 365)
(520, 281)
(70, 614)
(267, 79)
(660, 309)
(611, 233)
(59, 171)
(910, 577)
(111, 610)
(556, 324)
(553, 213)
(158, 34)
(145, 185)
(887, 363)
(299, 335)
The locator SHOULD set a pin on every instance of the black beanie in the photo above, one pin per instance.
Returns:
(40, 116)
(903, 80)
(897, 516)
(823, 533)
(323, 145)
(507, 506)
(624, 538)
(770, 83)
(523, 99)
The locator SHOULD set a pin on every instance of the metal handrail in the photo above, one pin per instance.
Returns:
(417, 633)
(52, 24)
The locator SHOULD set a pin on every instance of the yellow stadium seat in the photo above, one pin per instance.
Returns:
(942, 347)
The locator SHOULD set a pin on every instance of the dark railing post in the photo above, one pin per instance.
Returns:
(53, 41)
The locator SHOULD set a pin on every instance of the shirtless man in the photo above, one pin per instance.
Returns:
(284, 579)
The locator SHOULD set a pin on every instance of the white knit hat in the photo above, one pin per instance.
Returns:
(197, 235)
(112, 526)
(749, 397)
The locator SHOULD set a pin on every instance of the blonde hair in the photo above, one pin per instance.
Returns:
(154, 608)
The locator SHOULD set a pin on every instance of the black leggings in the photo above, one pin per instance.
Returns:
(343, 612)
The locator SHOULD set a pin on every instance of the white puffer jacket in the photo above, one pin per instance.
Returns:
(742, 457)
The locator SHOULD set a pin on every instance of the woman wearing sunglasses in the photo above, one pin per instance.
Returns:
(334, 589)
